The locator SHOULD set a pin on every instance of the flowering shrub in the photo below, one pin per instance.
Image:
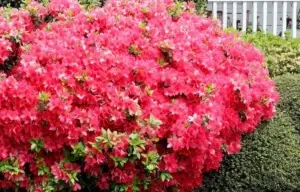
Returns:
(134, 96)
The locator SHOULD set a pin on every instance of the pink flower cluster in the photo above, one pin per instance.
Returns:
(5, 49)
(137, 95)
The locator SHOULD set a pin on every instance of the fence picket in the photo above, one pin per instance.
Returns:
(254, 19)
(234, 14)
(244, 28)
(224, 15)
(265, 16)
(215, 9)
(275, 12)
(284, 17)
(238, 13)
(294, 20)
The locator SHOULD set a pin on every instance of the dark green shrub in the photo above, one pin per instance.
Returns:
(12, 3)
(268, 161)
(289, 88)
(270, 157)
(201, 6)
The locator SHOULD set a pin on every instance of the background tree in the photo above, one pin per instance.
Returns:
(12, 3)
(201, 6)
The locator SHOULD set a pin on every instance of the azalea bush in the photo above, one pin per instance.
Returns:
(134, 96)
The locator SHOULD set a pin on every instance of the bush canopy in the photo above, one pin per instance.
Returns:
(134, 96)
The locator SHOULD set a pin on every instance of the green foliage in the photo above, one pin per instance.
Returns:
(151, 161)
(201, 6)
(118, 188)
(137, 145)
(282, 55)
(289, 88)
(90, 4)
(176, 10)
(11, 166)
(78, 150)
(36, 145)
(165, 176)
(43, 100)
(107, 137)
(43, 169)
(269, 159)
(134, 50)
(153, 121)
(44, 97)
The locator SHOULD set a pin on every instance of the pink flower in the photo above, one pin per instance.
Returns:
(170, 163)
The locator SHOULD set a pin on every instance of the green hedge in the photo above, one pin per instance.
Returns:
(282, 55)
(289, 88)
(270, 158)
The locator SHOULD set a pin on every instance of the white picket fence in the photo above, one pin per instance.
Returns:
(275, 7)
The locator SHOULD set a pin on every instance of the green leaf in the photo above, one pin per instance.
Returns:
(149, 91)
(153, 121)
(106, 137)
(118, 188)
(36, 145)
(151, 161)
(11, 166)
(119, 161)
(83, 77)
(78, 149)
(43, 169)
(165, 176)
(210, 88)
(135, 140)
(145, 10)
(73, 176)
(176, 10)
(150, 167)
(138, 155)
(43, 96)
(134, 50)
